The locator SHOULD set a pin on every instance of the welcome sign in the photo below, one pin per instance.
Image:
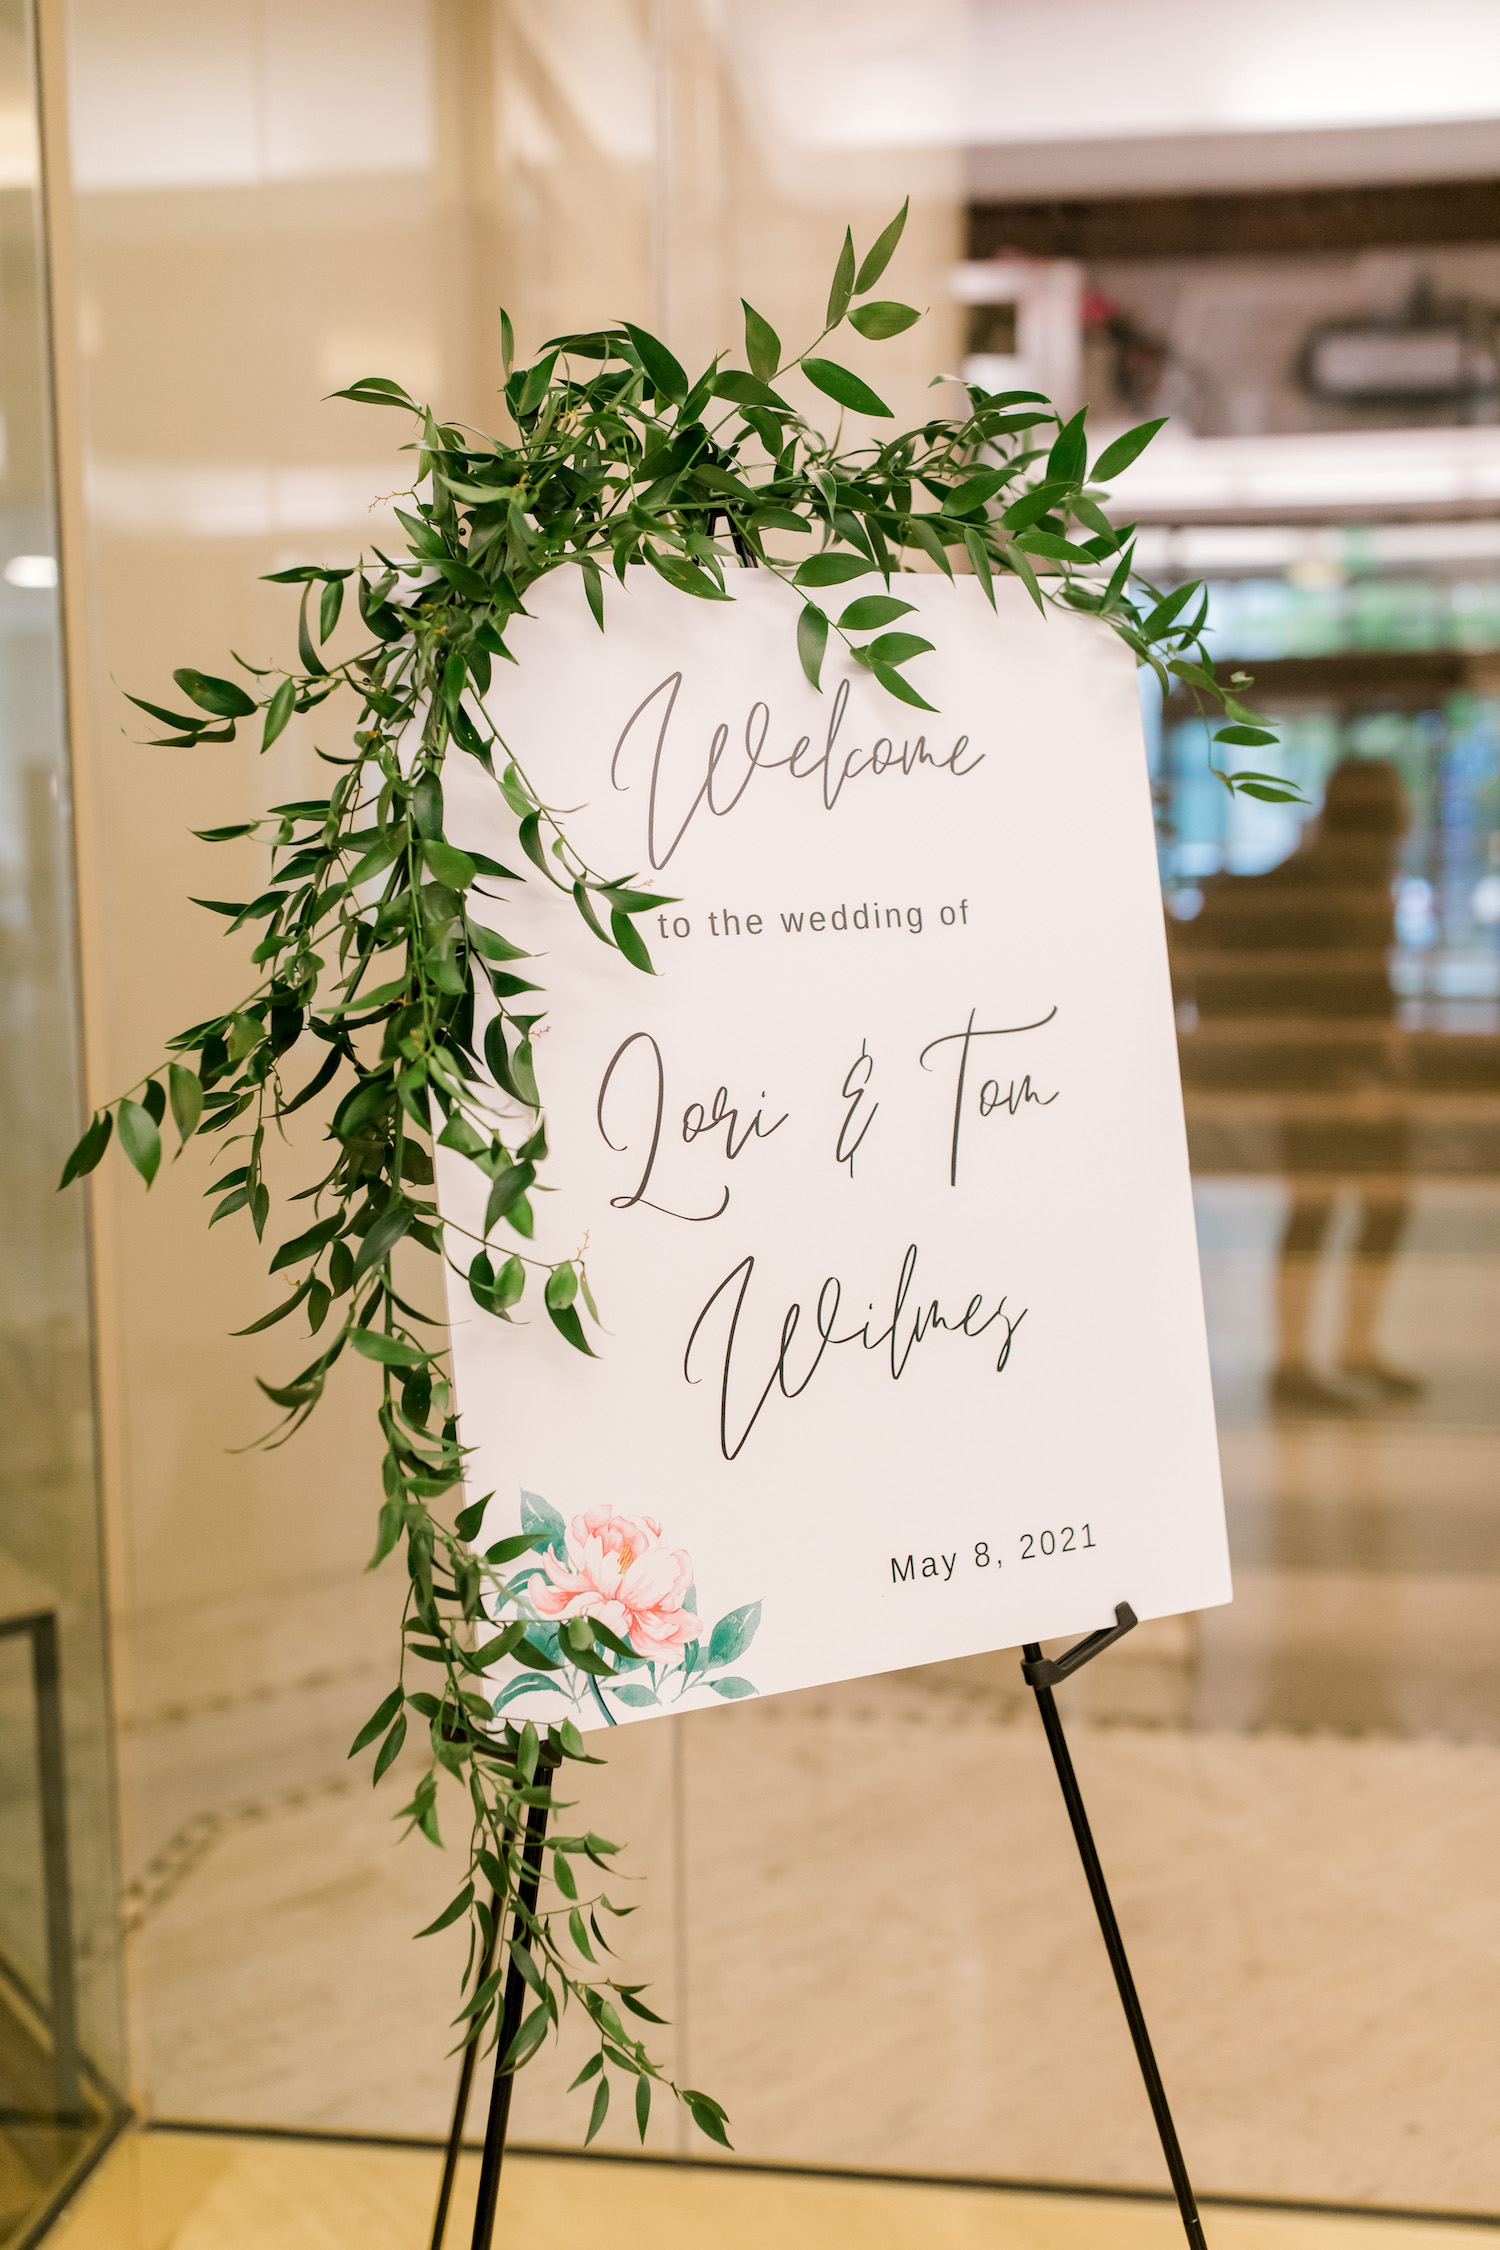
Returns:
(880, 1182)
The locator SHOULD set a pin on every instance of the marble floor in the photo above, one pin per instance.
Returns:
(169, 2191)
(861, 1906)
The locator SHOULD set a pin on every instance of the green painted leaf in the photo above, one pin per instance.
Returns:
(883, 318)
(733, 1634)
(837, 383)
(733, 1689)
(140, 1139)
(762, 344)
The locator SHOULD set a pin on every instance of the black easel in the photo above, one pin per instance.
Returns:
(1042, 1673)
(510, 2023)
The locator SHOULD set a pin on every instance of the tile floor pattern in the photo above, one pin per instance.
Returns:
(861, 1906)
(166, 2191)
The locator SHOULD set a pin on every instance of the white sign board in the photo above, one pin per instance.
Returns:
(882, 1176)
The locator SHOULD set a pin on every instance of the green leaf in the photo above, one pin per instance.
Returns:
(747, 390)
(831, 569)
(140, 1139)
(565, 1320)
(1119, 456)
(222, 697)
(88, 1149)
(1069, 456)
(903, 690)
(976, 490)
(812, 640)
(530, 2036)
(666, 373)
(1247, 736)
(837, 383)
(388, 1351)
(383, 1237)
(376, 390)
(1166, 612)
(883, 318)
(703, 2110)
(390, 1750)
(879, 257)
(898, 648)
(628, 938)
(509, 1184)
(762, 344)
(328, 609)
(451, 1912)
(449, 864)
(278, 712)
(979, 558)
(686, 576)
(870, 610)
(601, 2105)
(843, 283)
(733, 1689)
(642, 2105)
(377, 1723)
(562, 1287)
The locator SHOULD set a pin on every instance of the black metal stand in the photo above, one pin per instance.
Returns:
(488, 2197)
(465, 2086)
(1042, 1674)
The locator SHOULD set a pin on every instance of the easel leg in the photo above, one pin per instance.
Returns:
(461, 2099)
(1114, 1946)
(515, 1993)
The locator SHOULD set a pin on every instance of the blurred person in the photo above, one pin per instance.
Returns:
(1296, 960)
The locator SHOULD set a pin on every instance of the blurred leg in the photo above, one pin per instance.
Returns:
(1382, 1223)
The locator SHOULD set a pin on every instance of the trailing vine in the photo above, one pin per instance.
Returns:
(381, 967)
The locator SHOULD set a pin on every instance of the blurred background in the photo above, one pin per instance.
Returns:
(1281, 229)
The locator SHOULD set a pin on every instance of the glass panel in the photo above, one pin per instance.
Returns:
(60, 2032)
(863, 1914)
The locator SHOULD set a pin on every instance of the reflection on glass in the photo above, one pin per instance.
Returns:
(1296, 959)
(60, 2046)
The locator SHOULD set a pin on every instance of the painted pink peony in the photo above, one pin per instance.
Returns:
(624, 1577)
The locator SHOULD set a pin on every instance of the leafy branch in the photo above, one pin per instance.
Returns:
(382, 966)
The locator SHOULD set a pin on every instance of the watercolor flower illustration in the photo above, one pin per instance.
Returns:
(618, 1571)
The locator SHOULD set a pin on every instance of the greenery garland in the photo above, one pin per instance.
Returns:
(373, 960)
